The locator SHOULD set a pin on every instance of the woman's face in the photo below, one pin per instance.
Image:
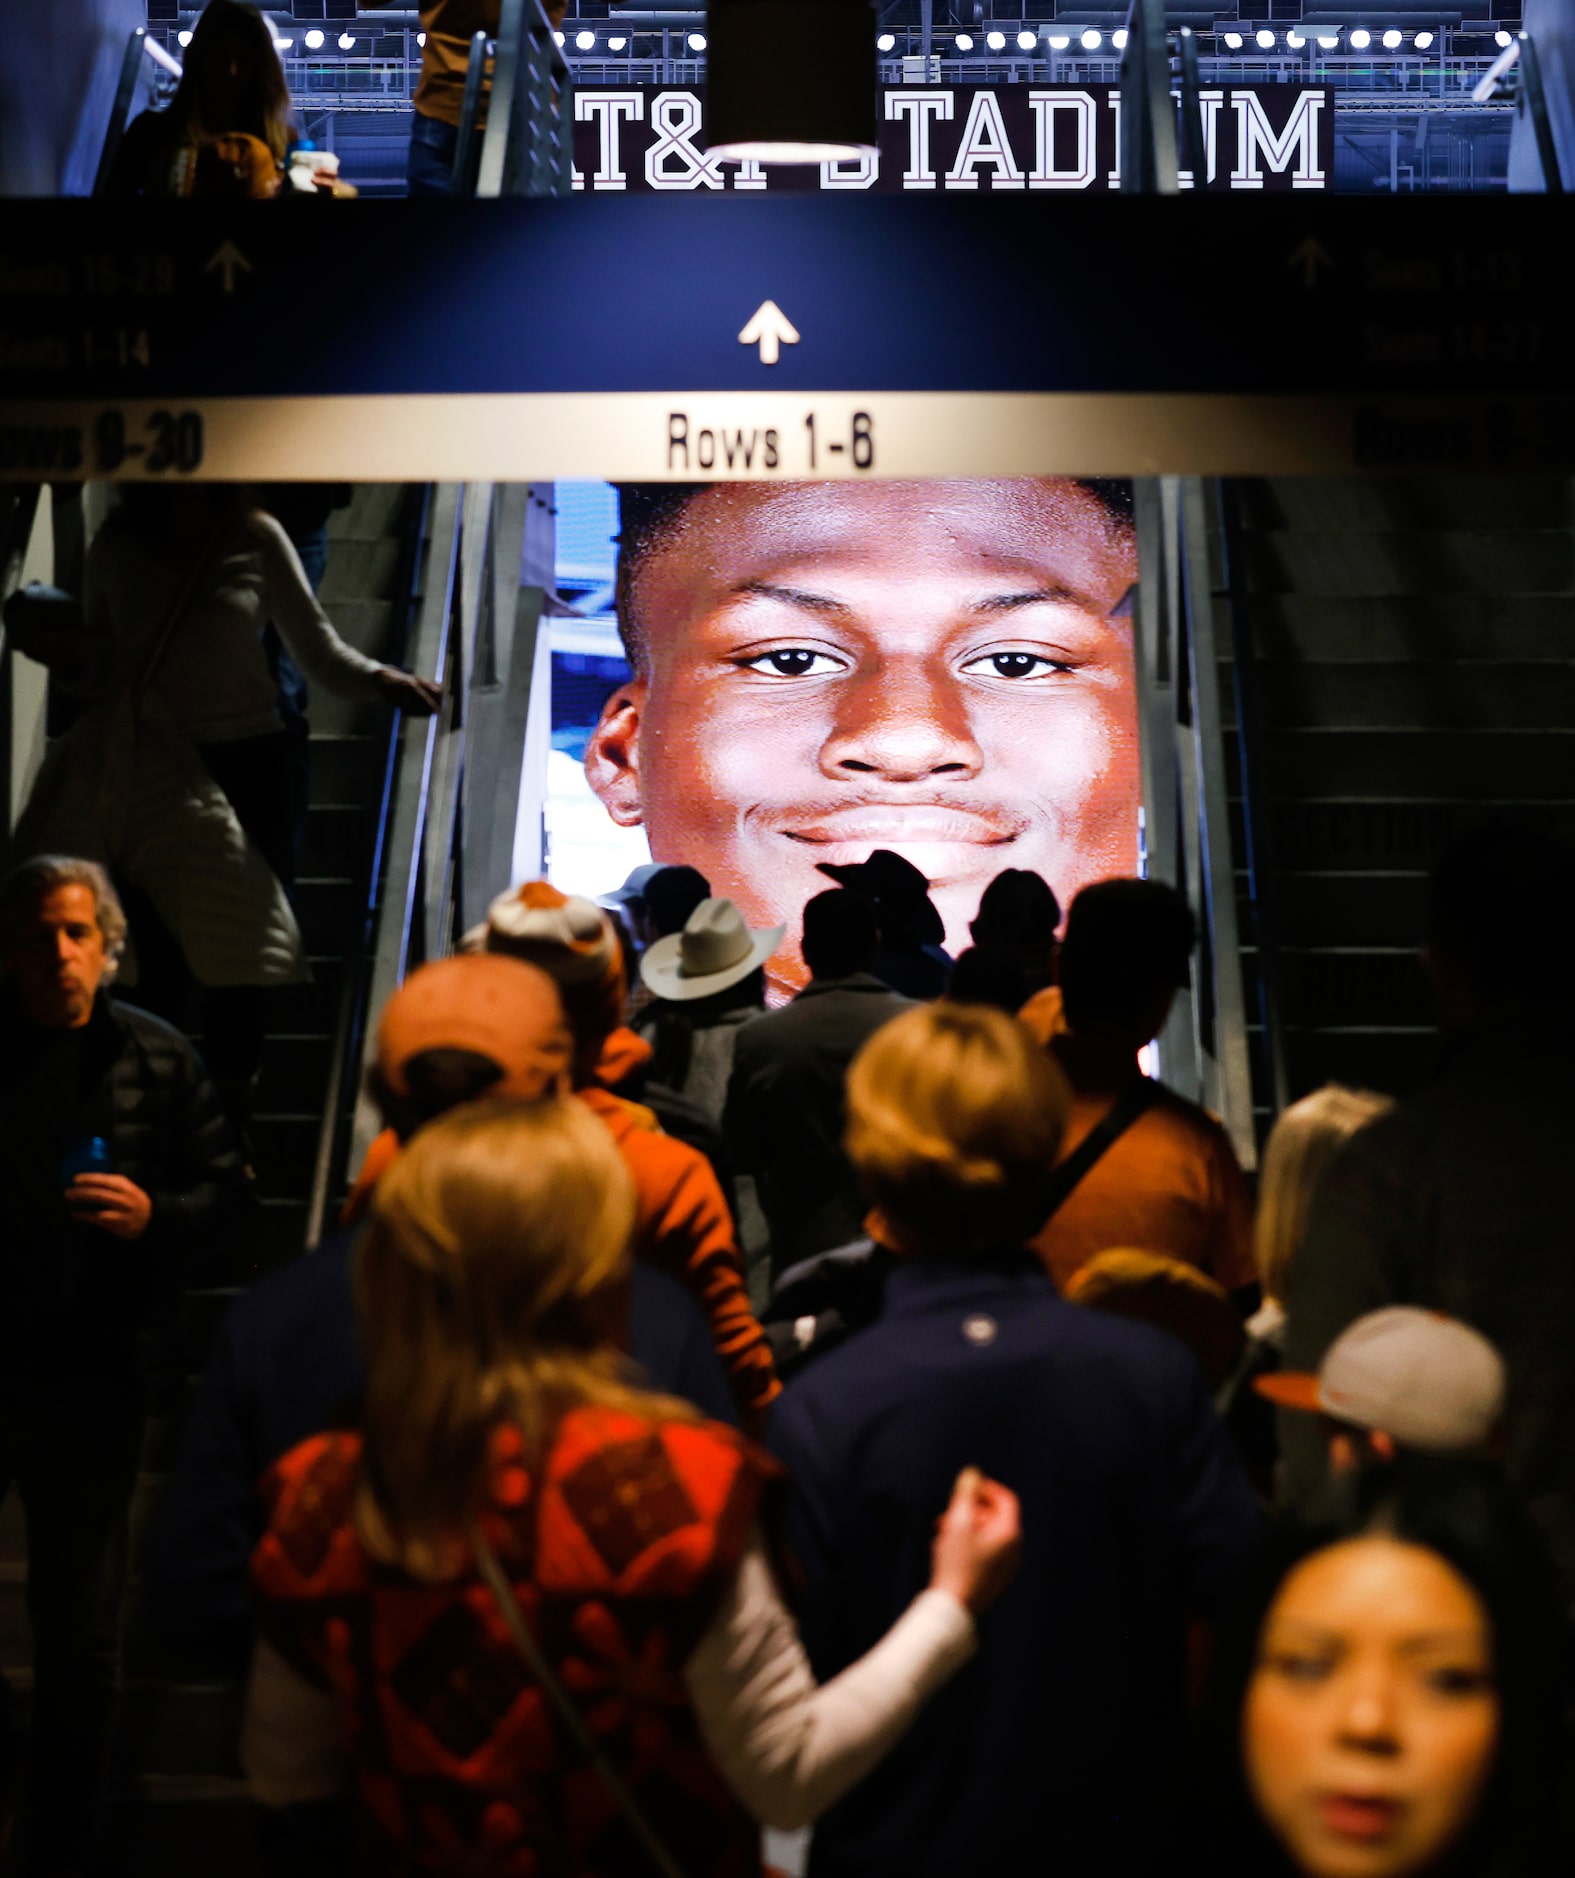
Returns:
(1372, 1716)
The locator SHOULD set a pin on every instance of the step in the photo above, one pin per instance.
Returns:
(375, 509)
(1353, 836)
(1415, 562)
(1394, 1062)
(1412, 765)
(1357, 909)
(328, 909)
(295, 1073)
(360, 570)
(1340, 986)
(1355, 504)
(347, 771)
(1490, 694)
(311, 1009)
(1399, 627)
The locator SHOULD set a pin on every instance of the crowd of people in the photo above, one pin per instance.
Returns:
(887, 1412)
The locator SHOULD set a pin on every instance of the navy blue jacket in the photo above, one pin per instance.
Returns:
(286, 1365)
(1054, 1749)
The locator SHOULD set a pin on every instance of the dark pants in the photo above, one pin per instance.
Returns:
(69, 1445)
(430, 168)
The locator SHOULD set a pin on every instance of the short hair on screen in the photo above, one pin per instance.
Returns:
(647, 512)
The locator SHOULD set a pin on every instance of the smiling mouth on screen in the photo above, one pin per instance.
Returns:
(944, 844)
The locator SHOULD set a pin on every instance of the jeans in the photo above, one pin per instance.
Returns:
(431, 165)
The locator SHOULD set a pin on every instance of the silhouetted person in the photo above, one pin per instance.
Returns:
(989, 974)
(1167, 1180)
(1459, 1198)
(1019, 910)
(911, 958)
(785, 1102)
(116, 1163)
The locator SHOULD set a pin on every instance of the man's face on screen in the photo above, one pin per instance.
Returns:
(836, 667)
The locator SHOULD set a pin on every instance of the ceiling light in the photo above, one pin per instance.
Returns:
(1422, 41)
(346, 41)
(314, 39)
(886, 42)
(792, 81)
(1265, 40)
(697, 42)
(1329, 41)
(1233, 40)
(964, 42)
(1026, 41)
(1501, 38)
(1091, 41)
(1392, 39)
(557, 39)
(1361, 39)
(1294, 40)
(1119, 39)
(995, 41)
(616, 45)
(185, 38)
(1060, 41)
(584, 41)
(421, 39)
(283, 45)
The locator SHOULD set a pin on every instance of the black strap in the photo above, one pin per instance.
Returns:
(1137, 1097)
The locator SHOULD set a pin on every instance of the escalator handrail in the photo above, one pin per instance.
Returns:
(530, 102)
(467, 146)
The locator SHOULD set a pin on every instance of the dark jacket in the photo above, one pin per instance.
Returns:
(1458, 1200)
(132, 1080)
(786, 1110)
(1058, 1746)
(286, 1365)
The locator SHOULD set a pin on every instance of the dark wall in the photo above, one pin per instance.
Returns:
(57, 83)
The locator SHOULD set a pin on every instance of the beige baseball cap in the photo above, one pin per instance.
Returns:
(1426, 1380)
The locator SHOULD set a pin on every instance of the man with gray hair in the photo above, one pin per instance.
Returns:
(116, 1163)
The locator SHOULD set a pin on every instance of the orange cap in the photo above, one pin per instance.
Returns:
(500, 1008)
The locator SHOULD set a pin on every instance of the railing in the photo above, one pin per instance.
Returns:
(18, 512)
(142, 50)
(1521, 54)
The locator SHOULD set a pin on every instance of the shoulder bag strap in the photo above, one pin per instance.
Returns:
(564, 1706)
(1133, 1101)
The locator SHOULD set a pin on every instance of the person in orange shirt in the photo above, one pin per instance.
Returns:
(1165, 1179)
(682, 1222)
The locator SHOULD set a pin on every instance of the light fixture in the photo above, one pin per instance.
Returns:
(185, 38)
(1119, 39)
(616, 45)
(964, 42)
(1422, 41)
(1091, 41)
(886, 42)
(1392, 39)
(1026, 41)
(792, 81)
(421, 39)
(346, 42)
(1294, 40)
(1265, 40)
(1361, 39)
(314, 39)
(1233, 41)
(697, 42)
(1501, 38)
(283, 45)
(1329, 41)
(583, 42)
(995, 41)
(1059, 42)
(557, 39)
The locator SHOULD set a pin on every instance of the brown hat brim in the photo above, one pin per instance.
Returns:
(1291, 1389)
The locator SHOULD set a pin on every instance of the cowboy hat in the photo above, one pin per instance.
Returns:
(714, 951)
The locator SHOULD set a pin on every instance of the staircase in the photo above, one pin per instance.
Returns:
(1412, 669)
(183, 1808)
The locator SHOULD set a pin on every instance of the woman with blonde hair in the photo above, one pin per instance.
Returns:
(530, 1603)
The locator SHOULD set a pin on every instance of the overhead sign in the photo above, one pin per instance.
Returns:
(827, 335)
(961, 139)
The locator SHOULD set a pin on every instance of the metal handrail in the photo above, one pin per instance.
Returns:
(467, 146)
(528, 147)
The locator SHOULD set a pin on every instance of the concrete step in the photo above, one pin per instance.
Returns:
(1355, 504)
(1416, 562)
(1411, 765)
(1362, 629)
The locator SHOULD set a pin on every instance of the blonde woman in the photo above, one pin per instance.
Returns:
(511, 1492)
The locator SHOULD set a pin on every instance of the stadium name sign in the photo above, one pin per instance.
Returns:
(961, 138)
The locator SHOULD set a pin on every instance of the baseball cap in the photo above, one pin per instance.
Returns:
(573, 941)
(1429, 1381)
(497, 1007)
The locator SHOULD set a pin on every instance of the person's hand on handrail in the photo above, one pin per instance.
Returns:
(978, 1541)
(419, 697)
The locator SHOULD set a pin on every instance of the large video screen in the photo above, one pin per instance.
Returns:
(760, 680)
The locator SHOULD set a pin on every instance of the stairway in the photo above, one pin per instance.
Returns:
(1413, 665)
(182, 1804)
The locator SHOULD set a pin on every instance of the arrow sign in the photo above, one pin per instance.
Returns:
(771, 329)
(227, 258)
(1310, 256)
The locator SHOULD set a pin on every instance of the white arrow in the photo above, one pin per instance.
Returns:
(771, 329)
(227, 258)
(1310, 256)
